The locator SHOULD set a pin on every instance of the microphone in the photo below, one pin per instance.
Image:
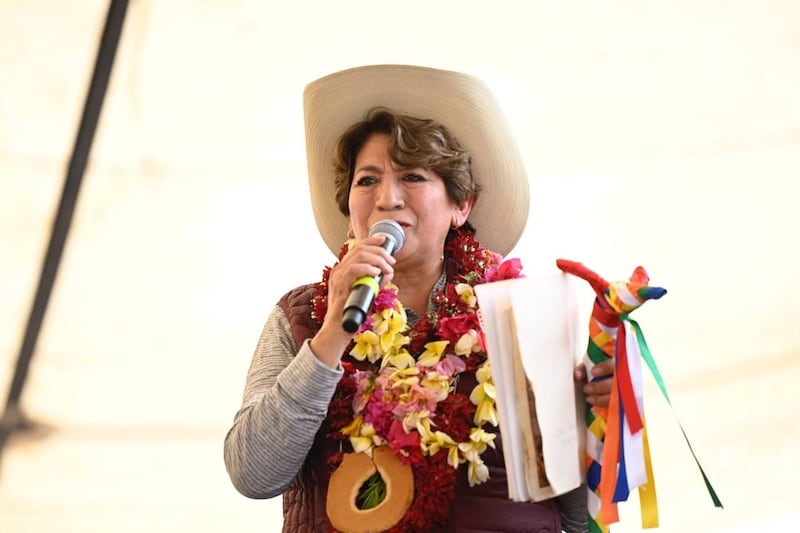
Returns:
(365, 288)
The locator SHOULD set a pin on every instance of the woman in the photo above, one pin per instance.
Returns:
(318, 397)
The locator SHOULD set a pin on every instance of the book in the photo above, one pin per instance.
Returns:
(530, 328)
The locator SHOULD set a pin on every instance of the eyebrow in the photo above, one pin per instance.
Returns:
(367, 168)
(379, 170)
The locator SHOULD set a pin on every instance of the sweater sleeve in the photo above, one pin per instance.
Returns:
(286, 399)
(574, 512)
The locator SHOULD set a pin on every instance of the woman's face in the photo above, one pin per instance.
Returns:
(414, 198)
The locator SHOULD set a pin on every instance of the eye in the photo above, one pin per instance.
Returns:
(364, 181)
(414, 178)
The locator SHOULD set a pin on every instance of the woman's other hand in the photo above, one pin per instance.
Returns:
(596, 392)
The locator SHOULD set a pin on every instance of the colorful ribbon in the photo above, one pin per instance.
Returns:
(651, 363)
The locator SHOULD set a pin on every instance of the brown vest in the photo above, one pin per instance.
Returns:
(484, 508)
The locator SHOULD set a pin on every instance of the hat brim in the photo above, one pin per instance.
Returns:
(460, 102)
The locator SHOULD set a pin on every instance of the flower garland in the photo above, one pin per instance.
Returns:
(400, 391)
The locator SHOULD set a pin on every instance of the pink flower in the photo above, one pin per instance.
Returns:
(420, 398)
(379, 413)
(363, 378)
(367, 325)
(363, 389)
(509, 269)
(385, 299)
(383, 382)
(399, 439)
(451, 328)
(450, 365)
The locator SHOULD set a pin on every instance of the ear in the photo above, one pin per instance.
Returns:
(640, 275)
(461, 212)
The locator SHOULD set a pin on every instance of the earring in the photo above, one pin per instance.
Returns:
(350, 234)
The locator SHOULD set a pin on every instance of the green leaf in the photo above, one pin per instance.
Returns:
(372, 492)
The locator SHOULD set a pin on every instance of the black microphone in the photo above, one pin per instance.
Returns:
(365, 288)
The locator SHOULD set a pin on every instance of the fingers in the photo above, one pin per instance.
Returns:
(579, 373)
(600, 401)
(366, 258)
(600, 370)
(598, 391)
(603, 369)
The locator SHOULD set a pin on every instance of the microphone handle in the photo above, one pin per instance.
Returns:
(362, 293)
(359, 301)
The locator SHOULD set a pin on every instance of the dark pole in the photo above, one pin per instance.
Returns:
(12, 417)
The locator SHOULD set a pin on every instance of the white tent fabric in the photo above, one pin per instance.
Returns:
(653, 133)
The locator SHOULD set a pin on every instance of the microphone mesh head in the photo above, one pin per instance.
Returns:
(390, 228)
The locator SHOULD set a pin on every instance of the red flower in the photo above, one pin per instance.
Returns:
(454, 417)
(420, 335)
(434, 481)
(451, 328)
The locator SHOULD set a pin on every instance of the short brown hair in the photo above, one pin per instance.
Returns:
(413, 143)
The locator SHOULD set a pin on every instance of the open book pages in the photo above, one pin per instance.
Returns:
(530, 325)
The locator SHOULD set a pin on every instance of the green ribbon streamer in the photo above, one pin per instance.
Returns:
(651, 363)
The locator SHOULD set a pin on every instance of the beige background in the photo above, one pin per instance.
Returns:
(661, 133)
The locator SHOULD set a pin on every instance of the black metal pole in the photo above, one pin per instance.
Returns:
(12, 417)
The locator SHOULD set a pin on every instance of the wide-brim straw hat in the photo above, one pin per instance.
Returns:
(460, 102)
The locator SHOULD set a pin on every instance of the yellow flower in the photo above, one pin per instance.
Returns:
(399, 342)
(389, 324)
(404, 377)
(433, 352)
(483, 396)
(472, 450)
(353, 427)
(485, 412)
(430, 441)
(484, 373)
(467, 294)
(468, 343)
(477, 472)
(400, 360)
(366, 346)
(453, 458)
(362, 436)
(365, 440)
(438, 440)
(419, 421)
(482, 438)
(437, 382)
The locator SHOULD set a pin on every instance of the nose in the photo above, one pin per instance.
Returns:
(390, 194)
